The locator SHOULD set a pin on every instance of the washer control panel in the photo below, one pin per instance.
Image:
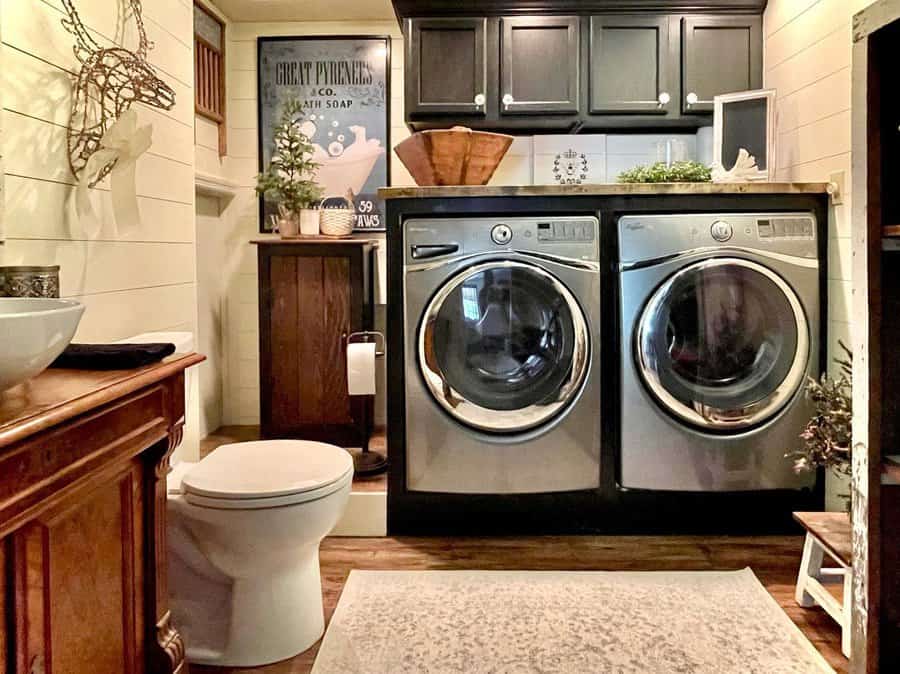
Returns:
(565, 230)
(574, 237)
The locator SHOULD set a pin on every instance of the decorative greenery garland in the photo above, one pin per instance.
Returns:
(679, 172)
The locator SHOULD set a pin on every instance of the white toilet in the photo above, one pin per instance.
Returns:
(244, 529)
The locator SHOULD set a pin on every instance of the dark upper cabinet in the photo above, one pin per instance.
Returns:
(720, 55)
(446, 71)
(633, 66)
(527, 73)
(539, 65)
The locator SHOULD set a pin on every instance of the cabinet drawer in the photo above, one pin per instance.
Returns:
(42, 466)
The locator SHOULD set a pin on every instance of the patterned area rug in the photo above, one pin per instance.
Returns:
(517, 622)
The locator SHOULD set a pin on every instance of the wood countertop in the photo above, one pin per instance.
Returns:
(56, 395)
(611, 189)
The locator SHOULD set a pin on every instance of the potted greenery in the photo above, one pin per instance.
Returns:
(827, 436)
(290, 177)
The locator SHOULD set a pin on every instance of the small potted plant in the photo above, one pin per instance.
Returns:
(827, 437)
(290, 177)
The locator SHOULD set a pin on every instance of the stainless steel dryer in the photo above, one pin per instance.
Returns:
(719, 331)
(502, 354)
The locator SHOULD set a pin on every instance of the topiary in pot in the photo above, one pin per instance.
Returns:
(290, 177)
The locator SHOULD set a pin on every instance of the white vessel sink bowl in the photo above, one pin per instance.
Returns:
(33, 332)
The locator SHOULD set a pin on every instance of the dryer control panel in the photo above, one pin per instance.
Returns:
(643, 238)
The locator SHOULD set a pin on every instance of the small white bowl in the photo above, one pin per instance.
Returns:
(33, 332)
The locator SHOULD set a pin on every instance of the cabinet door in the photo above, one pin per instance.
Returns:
(720, 55)
(445, 66)
(539, 65)
(631, 65)
(79, 576)
(305, 321)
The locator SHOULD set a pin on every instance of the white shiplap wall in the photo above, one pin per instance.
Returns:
(211, 250)
(132, 277)
(240, 220)
(807, 60)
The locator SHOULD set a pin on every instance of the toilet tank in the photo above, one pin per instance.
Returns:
(189, 449)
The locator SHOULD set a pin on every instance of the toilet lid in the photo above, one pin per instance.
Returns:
(267, 469)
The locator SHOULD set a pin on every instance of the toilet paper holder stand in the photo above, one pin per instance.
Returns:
(367, 462)
(365, 336)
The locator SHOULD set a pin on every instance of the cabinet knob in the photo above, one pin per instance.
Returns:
(479, 99)
(508, 100)
(664, 99)
(692, 99)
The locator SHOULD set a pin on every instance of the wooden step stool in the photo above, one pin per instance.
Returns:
(827, 533)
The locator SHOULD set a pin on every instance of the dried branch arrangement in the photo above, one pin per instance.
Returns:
(109, 82)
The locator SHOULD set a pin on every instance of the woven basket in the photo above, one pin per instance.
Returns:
(336, 220)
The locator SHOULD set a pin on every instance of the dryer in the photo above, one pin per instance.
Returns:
(502, 354)
(719, 325)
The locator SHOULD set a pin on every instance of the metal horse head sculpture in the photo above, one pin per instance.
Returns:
(109, 82)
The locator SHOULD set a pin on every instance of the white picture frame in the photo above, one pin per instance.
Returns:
(756, 137)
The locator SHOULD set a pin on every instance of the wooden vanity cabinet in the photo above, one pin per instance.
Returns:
(313, 293)
(83, 464)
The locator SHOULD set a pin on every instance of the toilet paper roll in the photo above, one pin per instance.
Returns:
(361, 368)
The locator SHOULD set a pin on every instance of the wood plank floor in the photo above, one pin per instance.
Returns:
(774, 559)
(229, 434)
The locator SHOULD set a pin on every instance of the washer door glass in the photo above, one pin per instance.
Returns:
(723, 344)
(503, 346)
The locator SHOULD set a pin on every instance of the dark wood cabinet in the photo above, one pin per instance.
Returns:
(720, 55)
(313, 293)
(446, 67)
(83, 464)
(594, 66)
(539, 65)
(633, 65)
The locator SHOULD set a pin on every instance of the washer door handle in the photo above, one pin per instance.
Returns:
(424, 252)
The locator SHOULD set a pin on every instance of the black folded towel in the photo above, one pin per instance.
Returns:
(111, 356)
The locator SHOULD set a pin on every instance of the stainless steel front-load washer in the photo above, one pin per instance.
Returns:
(719, 332)
(502, 354)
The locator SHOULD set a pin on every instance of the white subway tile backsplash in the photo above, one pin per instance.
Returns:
(616, 163)
(557, 143)
(568, 159)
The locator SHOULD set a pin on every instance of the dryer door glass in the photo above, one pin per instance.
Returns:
(504, 346)
(723, 344)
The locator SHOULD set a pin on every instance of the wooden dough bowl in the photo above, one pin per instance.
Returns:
(457, 156)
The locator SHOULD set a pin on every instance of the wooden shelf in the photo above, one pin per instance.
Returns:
(890, 230)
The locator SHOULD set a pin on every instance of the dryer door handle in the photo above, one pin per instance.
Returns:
(424, 252)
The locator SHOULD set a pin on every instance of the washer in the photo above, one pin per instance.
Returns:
(502, 354)
(719, 332)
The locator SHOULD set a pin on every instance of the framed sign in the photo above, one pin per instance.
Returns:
(745, 121)
(344, 84)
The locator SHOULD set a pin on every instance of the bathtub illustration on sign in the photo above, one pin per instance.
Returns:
(344, 169)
